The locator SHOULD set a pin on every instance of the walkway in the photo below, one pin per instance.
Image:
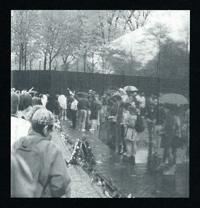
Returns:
(128, 178)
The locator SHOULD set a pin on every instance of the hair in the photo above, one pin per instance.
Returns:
(36, 94)
(25, 101)
(36, 101)
(39, 128)
(14, 102)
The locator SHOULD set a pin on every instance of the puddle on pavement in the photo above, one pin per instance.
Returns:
(127, 177)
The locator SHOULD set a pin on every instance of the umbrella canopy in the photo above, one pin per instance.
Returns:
(122, 91)
(173, 99)
(33, 92)
(130, 88)
(82, 94)
(117, 96)
(111, 92)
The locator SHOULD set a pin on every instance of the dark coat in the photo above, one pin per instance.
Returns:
(95, 107)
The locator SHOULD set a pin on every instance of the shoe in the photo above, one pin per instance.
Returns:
(169, 171)
(83, 130)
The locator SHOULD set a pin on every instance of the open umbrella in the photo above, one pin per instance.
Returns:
(32, 92)
(82, 94)
(173, 98)
(117, 96)
(111, 92)
(130, 88)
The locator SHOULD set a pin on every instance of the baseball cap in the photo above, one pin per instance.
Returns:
(43, 117)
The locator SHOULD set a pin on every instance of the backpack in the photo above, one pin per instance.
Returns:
(26, 164)
(139, 126)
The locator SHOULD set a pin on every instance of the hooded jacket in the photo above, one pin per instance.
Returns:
(53, 171)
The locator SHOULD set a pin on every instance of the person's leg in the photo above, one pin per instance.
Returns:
(156, 137)
(79, 119)
(84, 115)
(98, 120)
(123, 138)
(171, 169)
(116, 137)
(92, 125)
(165, 154)
(65, 114)
(73, 117)
(128, 147)
(134, 151)
(61, 114)
(174, 153)
(170, 157)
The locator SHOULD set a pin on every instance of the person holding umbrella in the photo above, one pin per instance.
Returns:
(171, 131)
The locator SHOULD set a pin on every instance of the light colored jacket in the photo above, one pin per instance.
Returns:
(19, 128)
(54, 171)
(74, 105)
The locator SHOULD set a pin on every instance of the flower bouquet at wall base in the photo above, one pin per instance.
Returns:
(76, 156)
(82, 154)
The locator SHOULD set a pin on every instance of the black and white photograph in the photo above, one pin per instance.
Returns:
(100, 104)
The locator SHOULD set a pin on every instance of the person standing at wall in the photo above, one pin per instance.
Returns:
(83, 106)
(160, 118)
(171, 131)
(73, 112)
(115, 119)
(63, 104)
(44, 100)
(131, 135)
(94, 107)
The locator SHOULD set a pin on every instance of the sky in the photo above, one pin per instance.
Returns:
(175, 19)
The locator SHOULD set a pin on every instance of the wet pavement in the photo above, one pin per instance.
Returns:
(81, 186)
(134, 179)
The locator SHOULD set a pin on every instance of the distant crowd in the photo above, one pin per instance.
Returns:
(126, 115)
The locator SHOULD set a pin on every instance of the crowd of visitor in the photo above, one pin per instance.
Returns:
(124, 113)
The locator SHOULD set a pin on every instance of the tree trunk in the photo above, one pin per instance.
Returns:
(20, 59)
(92, 62)
(84, 60)
(77, 66)
(45, 62)
(50, 62)
(30, 65)
(25, 57)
